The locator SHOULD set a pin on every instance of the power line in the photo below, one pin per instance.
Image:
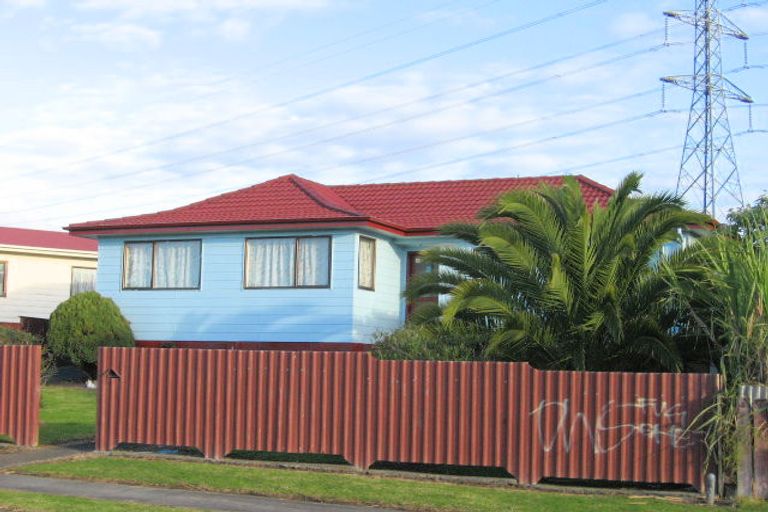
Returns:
(322, 92)
(494, 130)
(374, 158)
(583, 69)
(346, 50)
(623, 158)
(324, 46)
(507, 149)
(379, 126)
(423, 99)
(743, 5)
(565, 170)
(338, 42)
(484, 154)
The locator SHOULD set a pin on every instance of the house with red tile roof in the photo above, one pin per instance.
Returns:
(40, 269)
(288, 263)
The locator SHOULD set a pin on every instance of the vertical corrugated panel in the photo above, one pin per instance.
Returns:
(760, 449)
(536, 424)
(20, 393)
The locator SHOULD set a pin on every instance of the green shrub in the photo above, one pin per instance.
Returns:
(85, 322)
(10, 336)
(457, 342)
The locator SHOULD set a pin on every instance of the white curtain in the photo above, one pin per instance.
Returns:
(314, 262)
(177, 264)
(270, 262)
(83, 280)
(138, 265)
(365, 264)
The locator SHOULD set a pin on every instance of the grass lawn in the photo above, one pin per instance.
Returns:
(33, 502)
(68, 413)
(345, 488)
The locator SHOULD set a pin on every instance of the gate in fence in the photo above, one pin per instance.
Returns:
(20, 393)
(630, 427)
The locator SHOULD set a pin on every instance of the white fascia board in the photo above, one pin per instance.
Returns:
(50, 252)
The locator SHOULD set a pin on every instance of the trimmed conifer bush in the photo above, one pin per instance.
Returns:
(85, 322)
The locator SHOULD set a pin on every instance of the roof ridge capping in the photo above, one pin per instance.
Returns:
(579, 177)
(324, 195)
(592, 183)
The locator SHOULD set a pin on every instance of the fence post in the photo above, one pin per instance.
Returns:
(760, 449)
(745, 470)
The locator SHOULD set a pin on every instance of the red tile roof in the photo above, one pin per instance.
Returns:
(45, 239)
(408, 208)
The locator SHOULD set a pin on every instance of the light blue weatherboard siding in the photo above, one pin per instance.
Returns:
(383, 308)
(223, 311)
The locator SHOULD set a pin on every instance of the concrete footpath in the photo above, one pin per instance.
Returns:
(147, 495)
(22, 456)
(167, 497)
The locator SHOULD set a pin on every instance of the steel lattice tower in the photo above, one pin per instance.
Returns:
(708, 167)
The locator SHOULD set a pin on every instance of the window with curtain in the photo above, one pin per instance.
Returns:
(301, 262)
(83, 280)
(3, 277)
(167, 264)
(366, 263)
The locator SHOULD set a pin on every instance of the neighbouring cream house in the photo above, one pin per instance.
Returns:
(40, 269)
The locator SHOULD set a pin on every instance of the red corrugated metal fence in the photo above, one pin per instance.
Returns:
(537, 424)
(20, 393)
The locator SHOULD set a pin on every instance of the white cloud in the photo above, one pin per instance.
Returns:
(751, 18)
(23, 3)
(634, 23)
(465, 16)
(10, 8)
(126, 36)
(234, 29)
(139, 8)
(146, 103)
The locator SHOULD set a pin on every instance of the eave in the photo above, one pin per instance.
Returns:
(272, 225)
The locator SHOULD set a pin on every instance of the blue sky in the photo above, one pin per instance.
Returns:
(116, 107)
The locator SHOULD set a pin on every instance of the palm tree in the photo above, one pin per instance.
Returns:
(562, 283)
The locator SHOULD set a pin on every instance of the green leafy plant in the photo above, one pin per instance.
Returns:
(749, 218)
(562, 283)
(85, 322)
(10, 336)
(459, 342)
(721, 286)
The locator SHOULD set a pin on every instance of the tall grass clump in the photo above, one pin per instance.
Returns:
(721, 288)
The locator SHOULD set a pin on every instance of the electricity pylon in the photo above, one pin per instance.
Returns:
(708, 167)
